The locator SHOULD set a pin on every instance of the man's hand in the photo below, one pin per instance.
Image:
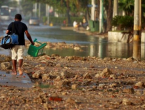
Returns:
(7, 31)
(32, 43)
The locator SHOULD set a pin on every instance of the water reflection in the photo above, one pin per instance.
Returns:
(100, 49)
(119, 50)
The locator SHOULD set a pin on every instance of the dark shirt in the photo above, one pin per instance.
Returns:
(20, 29)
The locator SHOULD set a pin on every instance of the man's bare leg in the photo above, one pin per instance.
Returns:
(14, 71)
(20, 67)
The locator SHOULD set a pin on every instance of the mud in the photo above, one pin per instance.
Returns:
(78, 83)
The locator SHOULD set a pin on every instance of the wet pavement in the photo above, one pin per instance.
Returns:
(6, 79)
(5, 52)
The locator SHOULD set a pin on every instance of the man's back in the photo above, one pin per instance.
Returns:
(20, 28)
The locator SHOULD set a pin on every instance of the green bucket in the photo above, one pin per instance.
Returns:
(36, 51)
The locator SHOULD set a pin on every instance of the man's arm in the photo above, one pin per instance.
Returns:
(29, 37)
(9, 29)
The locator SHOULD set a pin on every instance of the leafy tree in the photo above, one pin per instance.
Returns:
(10, 3)
(27, 7)
(81, 6)
(128, 7)
(61, 6)
(67, 6)
(2, 2)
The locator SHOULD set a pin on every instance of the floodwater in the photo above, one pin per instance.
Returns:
(94, 46)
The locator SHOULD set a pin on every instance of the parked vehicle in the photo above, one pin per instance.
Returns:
(33, 21)
(4, 13)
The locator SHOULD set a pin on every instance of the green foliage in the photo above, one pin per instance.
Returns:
(115, 20)
(62, 5)
(123, 22)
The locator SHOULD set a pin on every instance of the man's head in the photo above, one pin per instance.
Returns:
(18, 17)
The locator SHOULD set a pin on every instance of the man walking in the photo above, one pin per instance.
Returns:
(18, 50)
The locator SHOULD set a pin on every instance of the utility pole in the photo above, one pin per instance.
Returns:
(101, 16)
(39, 10)
(137, 30)
(115, 7)
(35, 9)
(47, 13)
(115, 11)
(93, 10)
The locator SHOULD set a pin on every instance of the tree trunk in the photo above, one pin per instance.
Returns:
(109, 15)
(67, 12)
(87, 14)
(68, 16)
(98, 10)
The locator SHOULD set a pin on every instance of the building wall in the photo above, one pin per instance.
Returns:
(119, 37)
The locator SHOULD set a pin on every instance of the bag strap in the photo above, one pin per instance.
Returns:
(13, 28)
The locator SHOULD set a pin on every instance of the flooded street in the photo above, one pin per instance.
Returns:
(93, 45)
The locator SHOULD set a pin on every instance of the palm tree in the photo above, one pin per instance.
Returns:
(127, 6)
